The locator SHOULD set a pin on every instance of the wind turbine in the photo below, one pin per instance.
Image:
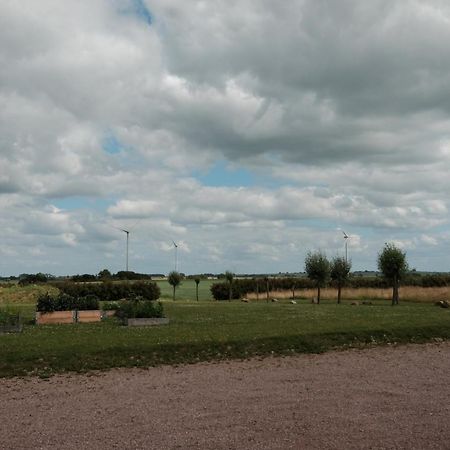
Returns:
(346, 237)
(128, 237)
(127, 232)
(176, 254)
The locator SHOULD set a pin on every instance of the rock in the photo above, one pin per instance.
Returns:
(354, 303)
(314, 300)
(245, 300)
(274, 300)
(443, 304)
(293, 302)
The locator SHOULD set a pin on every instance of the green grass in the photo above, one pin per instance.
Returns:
(186, 291)
(207, 330)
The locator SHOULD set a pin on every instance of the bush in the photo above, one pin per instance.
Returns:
(221, 291)
(110, 306)
(65, 302)
(26, 279)
(109, 291)
(138, 308)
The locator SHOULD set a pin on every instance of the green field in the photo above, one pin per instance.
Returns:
(186, 291)
(209, 330)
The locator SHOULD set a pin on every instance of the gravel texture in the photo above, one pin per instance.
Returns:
(381, 398)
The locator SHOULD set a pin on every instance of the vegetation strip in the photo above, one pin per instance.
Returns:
(205, 331)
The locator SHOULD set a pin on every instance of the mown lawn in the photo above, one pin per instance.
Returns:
(207, 330)
(187, 290)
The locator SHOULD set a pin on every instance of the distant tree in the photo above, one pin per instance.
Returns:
(174, 280)
(229, 276)
(104, 274)
(317, 267)
(340, 271)
(197, 282)
(393, 265)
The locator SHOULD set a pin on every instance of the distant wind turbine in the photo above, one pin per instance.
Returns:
(176, 254)
(346, 237)
(127, 232)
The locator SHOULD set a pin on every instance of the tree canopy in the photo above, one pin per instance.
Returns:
(317, 267)
(393, 265)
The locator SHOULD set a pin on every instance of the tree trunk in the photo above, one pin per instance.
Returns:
(293, 292)
(196, 291)
(318, 294)
(257, 292)
(339, 294)
(267, 291)
(174, 293)
(395, 291)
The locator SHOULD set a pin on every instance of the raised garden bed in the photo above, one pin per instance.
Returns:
(60, 317)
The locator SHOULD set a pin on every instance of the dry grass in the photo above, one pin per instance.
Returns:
(407, 293)
(14, 294)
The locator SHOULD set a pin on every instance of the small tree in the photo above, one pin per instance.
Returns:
(174, 280)
(317, 268)
(229, 276)
(197, 282)
(392, 264)
(340, 271)
(104, 274)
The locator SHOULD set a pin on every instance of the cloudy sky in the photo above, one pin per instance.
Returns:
(248, 132)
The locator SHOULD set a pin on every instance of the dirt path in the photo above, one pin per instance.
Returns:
(382, 398)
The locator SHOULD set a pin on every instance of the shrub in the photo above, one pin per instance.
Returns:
(65, 302)
(110, 306)
(138, 308)
(221, 291)
(26, 279)
(109, 291)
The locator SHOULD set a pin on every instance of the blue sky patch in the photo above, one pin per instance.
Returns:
(111, 144)
(139, 9)
(222, 175)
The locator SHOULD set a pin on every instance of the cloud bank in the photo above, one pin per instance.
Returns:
(250, 132)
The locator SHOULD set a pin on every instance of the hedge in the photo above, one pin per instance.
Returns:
(65, 302)
(109, 291)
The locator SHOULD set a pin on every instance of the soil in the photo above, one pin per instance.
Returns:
(380, 398)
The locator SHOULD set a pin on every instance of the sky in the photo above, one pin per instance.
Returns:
(249, 132)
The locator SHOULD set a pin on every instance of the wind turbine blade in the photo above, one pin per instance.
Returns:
(345, 234)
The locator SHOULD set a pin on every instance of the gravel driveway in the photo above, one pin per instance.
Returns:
(381, 398)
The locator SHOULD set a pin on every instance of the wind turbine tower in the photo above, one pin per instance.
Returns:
(346, 236)
(128, 237)
(175, 246)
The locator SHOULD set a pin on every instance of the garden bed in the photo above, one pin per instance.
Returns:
(74, 316)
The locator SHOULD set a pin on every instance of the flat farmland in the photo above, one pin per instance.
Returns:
(209, 330)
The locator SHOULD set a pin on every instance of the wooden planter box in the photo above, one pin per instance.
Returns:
(89, 316)
(44, 318)
(68, 317)
(146, 322)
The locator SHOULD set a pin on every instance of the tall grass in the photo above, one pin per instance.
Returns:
(407, 293)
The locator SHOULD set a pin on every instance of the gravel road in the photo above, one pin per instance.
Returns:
(380, 398)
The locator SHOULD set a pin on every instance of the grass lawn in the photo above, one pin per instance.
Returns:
(207, 330)
(187, 290)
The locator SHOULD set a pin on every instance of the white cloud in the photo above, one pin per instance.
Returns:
(339, 113)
